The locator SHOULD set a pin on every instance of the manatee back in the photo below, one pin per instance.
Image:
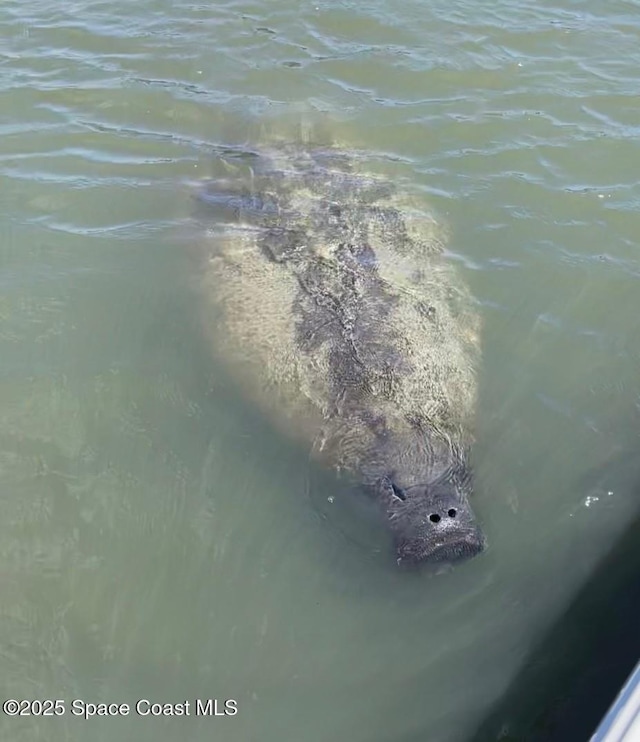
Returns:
(327, 294)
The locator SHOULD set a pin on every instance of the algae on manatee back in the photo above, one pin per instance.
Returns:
(328, 296)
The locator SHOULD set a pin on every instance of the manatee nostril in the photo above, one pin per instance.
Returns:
(434, 518)
(452, 512)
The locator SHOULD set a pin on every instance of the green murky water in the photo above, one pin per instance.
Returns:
(156, 540)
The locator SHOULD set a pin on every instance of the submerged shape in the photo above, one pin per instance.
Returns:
(327, 294)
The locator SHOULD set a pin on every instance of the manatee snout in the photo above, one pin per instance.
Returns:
(433, 524)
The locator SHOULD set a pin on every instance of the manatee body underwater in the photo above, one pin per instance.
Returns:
(326, 293)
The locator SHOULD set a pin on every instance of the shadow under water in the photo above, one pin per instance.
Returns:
(573, 676)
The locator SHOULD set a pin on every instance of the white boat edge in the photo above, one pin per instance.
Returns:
(622, 721)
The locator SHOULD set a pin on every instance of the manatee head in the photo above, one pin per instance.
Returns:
(431, 523)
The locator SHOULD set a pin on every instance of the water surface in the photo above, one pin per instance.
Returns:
(156, 540)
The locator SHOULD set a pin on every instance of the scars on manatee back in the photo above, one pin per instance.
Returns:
(327, 294)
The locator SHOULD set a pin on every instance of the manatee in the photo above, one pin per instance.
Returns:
(328, 295)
